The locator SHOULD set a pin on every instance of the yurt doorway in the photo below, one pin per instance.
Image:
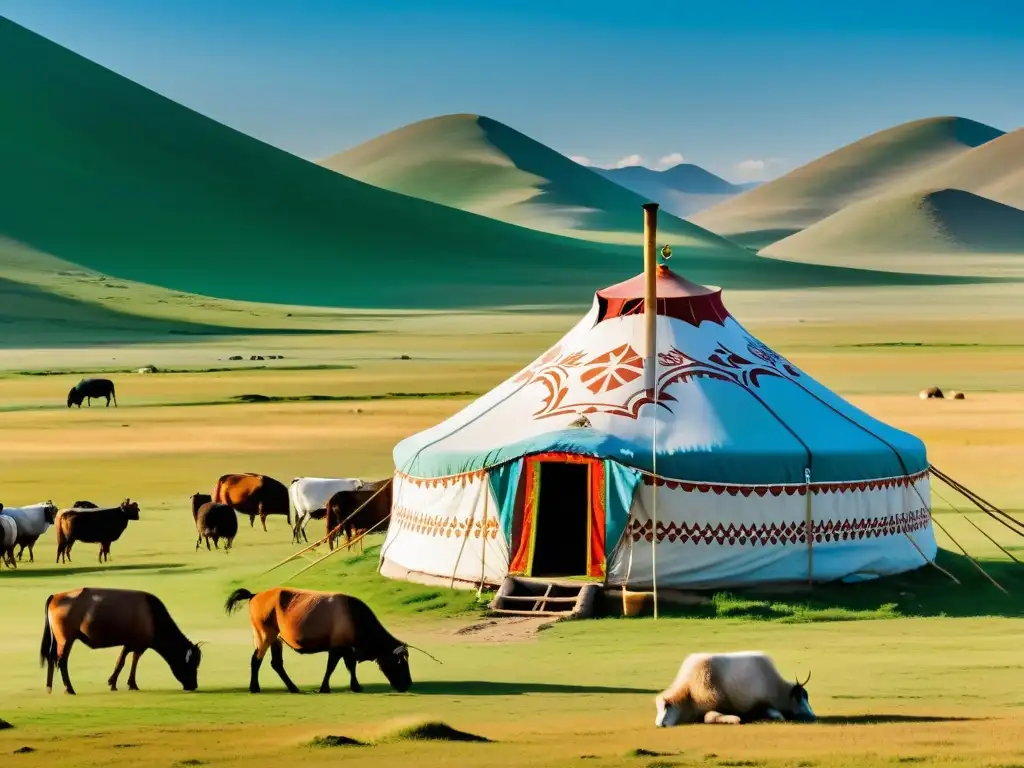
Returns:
(560, 541)
(559, 525)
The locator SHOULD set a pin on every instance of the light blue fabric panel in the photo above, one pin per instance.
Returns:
(504, 482)
(845, 445)
(620, 484)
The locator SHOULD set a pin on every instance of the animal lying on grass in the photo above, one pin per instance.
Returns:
(213, 521)
(107, 618)
(316, 622)
(730, 688)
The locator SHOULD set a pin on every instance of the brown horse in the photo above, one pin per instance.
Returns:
(342, 506)
(107, 618)
(253, 495)
(316, 622)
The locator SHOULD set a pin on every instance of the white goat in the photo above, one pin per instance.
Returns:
(32, 522)
(728, 688)
(309, 496)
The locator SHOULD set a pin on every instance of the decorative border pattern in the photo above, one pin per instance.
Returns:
(733, 489)
(793, 489)
(773, 534)
(446, 526)
(446, 481)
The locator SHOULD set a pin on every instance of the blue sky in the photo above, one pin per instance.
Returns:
(745, 89)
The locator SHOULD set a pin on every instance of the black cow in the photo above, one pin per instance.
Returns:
(95, 526)
(213, 521)
(87, 389)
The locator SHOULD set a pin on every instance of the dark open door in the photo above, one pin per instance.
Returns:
(560, 518)
(560, 542)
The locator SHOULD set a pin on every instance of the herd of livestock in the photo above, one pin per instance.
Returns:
(349, 507)
(727, 688)
(722, 688)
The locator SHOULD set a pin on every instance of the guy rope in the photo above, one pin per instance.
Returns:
(333, 531)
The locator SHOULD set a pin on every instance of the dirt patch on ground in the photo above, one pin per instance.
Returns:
(503, 630)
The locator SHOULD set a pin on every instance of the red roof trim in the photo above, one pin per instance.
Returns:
(678, 298)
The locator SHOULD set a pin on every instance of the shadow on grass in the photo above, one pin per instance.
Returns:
(880, 719)
(492, 688)
(925, 592)
(445, 688)
(27, 570)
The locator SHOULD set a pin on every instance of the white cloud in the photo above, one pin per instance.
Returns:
(581, 159)
(629, 160)
(756, 169)
(670, 160)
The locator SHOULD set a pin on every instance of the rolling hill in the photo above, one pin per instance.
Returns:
(107, 176)
(947, 231)
(994, 170)
(477, 164)
(682, 190)
(855, 172)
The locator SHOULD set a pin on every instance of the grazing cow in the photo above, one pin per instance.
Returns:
(730, 688)
(8, 538)
(316, 622)
(253, 495)
(87, 389)
(309, 496)
(32, 521)
(85, 505)
(94, 526)
(107, 618)
(213, 521)
(343, 504)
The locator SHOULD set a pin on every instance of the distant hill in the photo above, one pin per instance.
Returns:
(112, 179)
(944, 231)
(858, 171)
(480, 165)
(994, 170)
(683, 189)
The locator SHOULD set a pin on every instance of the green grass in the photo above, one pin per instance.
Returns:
(913, 670)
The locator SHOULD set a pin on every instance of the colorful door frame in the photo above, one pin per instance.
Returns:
(526, 514)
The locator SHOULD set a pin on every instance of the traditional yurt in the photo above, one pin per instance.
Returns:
(707, 464)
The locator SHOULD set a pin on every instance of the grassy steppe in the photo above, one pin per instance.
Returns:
(917, 671)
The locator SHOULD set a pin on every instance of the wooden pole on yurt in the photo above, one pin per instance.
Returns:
(651, 357)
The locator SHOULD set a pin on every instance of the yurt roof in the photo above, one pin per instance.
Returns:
(727, 408)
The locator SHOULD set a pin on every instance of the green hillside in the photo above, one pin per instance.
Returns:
(104, 174)
(480, 165)
(46, 301)
(870, 166)
(946, 230)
